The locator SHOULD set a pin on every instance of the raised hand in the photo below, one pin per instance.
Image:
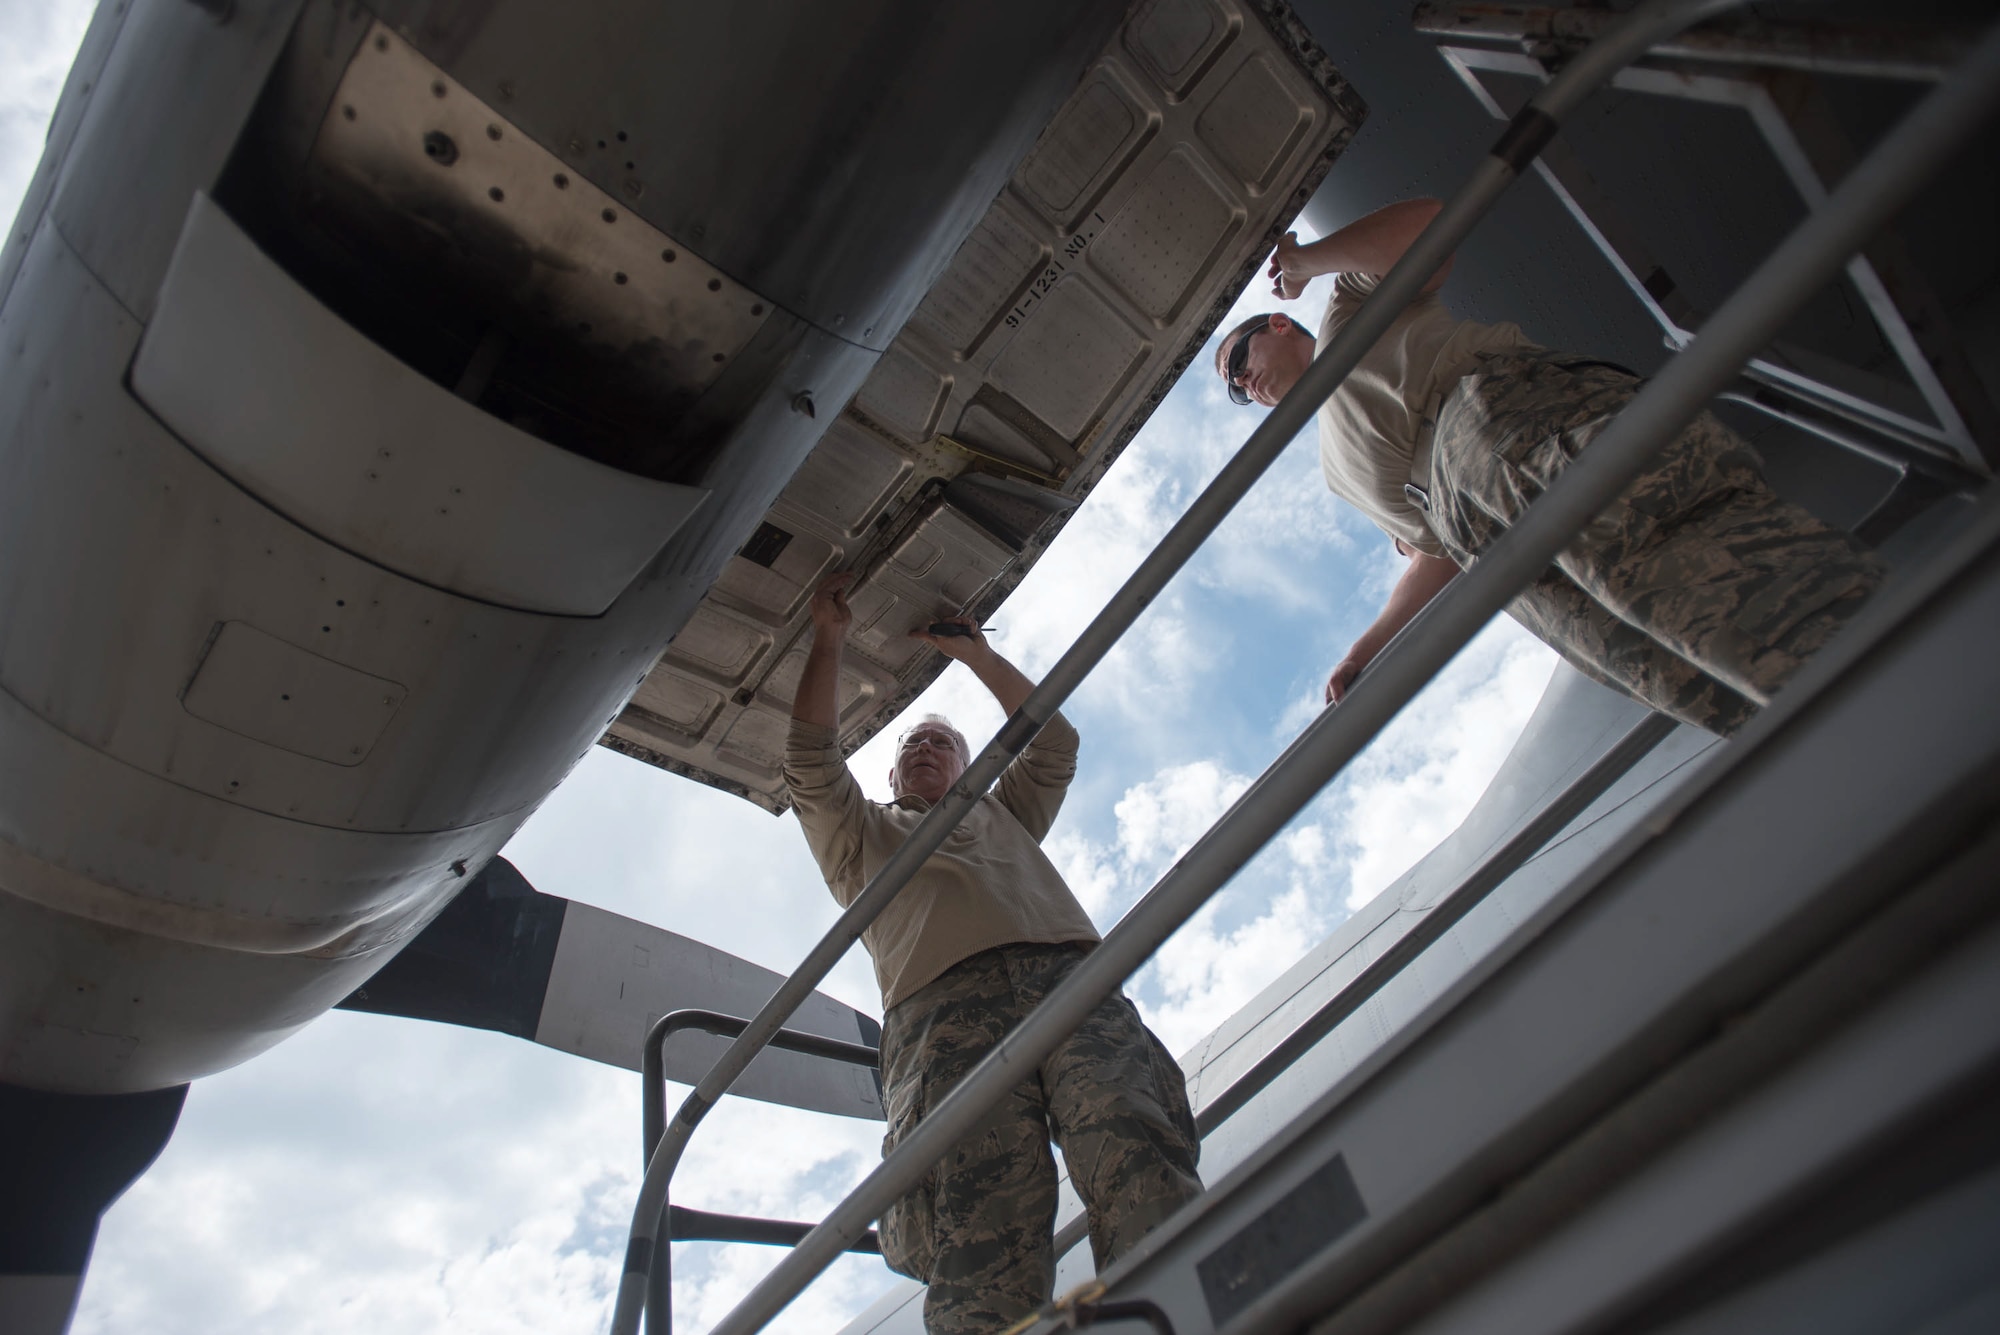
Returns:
(1290, 271)
(970, 647)
(831, 616)
(1341, 679)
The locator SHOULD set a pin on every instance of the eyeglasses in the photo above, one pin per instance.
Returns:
(1239, 360)
(939, 741)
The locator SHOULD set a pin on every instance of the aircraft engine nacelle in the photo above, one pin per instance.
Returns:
(379, 392)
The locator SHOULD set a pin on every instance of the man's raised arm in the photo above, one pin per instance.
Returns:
(1422, 582)
(1368, 245)
(1007, 683)
(1032, 787)
(818, 698)
(824, 794)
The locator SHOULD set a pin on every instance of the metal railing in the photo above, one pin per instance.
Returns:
(1470, 892)
(1743, 325)
(685, 1225)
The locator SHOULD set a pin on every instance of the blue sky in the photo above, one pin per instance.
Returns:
(385, 1176)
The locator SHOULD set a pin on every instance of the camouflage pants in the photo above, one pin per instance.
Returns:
(978, 1229)
(1698, 592)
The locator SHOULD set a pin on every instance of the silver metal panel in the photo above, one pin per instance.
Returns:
(1078, 157)
(903, 394)
(133, 166)
(89, 1008)
(964, 308)
(847, 482)
(946, 562)
(1928, 1270)
(830, 156)
(404, 142)
(613, 977)
(150, 934)
(1175, 40)
(1803, 1126)
(121, 551)
(1254, 122)
(83, 79)
(1062, 320)
(277, 693)
(82, 833)
(1157, 248)
(290, 402)
(1067, 364)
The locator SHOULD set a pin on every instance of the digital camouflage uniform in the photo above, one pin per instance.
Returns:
(977, 1230)
(1698, 591)
(984, 930)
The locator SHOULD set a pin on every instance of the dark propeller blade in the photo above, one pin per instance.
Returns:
(483, 963)
(64, 1158)
(505, 957)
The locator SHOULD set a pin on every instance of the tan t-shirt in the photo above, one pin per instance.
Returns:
(1368, 430)
(988, 885)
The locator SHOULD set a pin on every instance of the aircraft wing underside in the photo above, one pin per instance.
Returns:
(1090, 284)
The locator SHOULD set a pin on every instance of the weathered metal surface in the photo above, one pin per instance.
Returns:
(327, 428)
(405, 145)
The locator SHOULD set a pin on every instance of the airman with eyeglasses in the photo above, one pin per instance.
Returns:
(982, 932)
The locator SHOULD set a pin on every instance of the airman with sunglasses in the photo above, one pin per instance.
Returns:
(1698, 593)
(983, 932)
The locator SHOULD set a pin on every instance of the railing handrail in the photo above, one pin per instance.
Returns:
(685, 1225)
(1489, 875)
(653, 1065)
(652, 1126)
(1807, 258)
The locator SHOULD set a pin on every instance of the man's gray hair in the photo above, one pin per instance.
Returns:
(939, 720)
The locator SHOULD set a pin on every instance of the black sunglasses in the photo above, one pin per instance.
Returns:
(1239, 358)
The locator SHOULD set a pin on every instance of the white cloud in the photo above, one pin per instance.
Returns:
(389, 1176)
(638, 841)
(1159, 819)
(1205, 972)
(1413, 787)
(1092, 873)
(1392, 805)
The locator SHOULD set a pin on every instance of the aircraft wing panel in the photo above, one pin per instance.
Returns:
(1087, 288)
